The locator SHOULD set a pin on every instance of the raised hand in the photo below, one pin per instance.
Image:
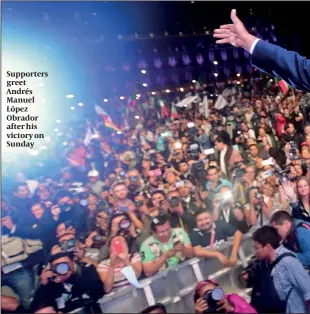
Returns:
(234, 34)
(289, 190)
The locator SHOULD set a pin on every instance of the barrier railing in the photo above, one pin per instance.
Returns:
(174, 287)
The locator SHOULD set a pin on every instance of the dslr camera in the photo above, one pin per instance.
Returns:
(212, 297)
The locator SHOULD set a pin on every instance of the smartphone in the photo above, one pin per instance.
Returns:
(117, 246)
(267, 174)
(209, 151)
(267, 162)
(191, 125)
(179, 184)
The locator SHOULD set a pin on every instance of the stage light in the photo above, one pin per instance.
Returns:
(138, 95)
(238, 74)
(211, 95)
(105, 100)
(271, 80)
(72, 108)
(181, 89)
(167, 91)
(153, 93)
(144, 84)
(137, 117)
(122, 98)
(238, 82)
(216, 74)
(215, 62)
(80, 104)
(143, 71)
(119, 132)
(194, 81)
(57, 121)
(70, 96)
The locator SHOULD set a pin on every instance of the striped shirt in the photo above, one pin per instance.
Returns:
(119, 279)
(291, 279)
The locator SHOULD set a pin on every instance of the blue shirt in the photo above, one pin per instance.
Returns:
(291, 279)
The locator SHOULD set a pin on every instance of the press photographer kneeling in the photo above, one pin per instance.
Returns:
(69, 282)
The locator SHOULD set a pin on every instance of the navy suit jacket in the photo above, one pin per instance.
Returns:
(288, 65)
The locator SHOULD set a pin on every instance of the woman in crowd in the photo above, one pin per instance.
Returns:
(300, 201)
(110, 270)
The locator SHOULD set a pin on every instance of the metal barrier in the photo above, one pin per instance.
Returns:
(174, 287)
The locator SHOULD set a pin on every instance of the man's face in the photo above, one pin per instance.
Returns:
(250, 173)
(204, 221)
(163, 233)
(253, 151)
(291, 129)
(261, 252)
(133, 176)
(92, 201)
(120, 192)
(157, 199)
(183, 167)
(37, 211)
(171, 178)
(65, 200)
(284, 229)
(219, 146)
(93, 179)
(23, 192)
(62, 278)
(213, 175)
(184, 191)
(307, 130)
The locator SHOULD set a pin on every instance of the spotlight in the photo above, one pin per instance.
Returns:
(238, 74)
(72, 108)
(216, 74)
(143, 71)
(105, 100)
(137, 117)
(271, 80)
(80, 104)
(119, 132)
(181, 89)
(215, 62)
(153, 93)
(144, 84)
(70, 96)
(194, 81)
(138, 95)
(167, 90)
(122, 98)
(238, 82)
(211, 95)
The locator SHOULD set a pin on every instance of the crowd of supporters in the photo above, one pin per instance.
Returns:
(167, 190)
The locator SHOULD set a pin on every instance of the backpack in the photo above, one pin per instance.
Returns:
(265, 298)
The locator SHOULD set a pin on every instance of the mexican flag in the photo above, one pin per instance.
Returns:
(283, 86)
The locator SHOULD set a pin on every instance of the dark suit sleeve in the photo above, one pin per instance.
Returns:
(288, 65)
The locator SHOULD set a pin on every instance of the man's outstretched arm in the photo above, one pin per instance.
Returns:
(272, 59)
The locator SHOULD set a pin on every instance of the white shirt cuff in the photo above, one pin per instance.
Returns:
(254, 45)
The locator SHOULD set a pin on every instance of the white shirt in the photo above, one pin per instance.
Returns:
(254, 45)
(222, 160)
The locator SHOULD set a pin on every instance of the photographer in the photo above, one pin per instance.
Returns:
(179, 216)
(209, 234)
(109, 270)
(68, 283)
(210, 298)
(225, 208)
(121, 224)
(165, 248)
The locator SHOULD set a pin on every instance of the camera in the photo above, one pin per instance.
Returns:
(98, 238)
(194, 151)
(212, 297)
(138, 203)
(293, 151)
(174, 201)
(124, 224)
(68, 245)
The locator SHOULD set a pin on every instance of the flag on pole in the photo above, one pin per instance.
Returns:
(283, 86)
(106, 119)
(164, 109)
(174, 113)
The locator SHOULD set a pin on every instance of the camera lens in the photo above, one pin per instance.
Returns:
(124, 224)
(61, 269)
(174, 201)
(139, 203)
